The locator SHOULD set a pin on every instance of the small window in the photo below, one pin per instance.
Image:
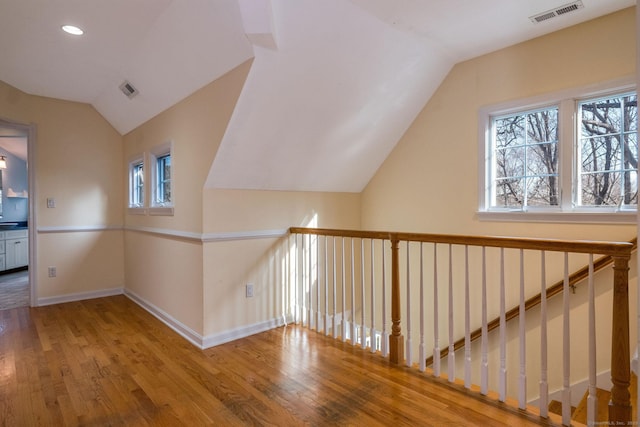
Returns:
(136, 183)
(162, 180)
(163, 183)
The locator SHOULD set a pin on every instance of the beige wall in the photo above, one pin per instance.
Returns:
(86, 262)
(231, 264)
(162, 270)
(429, 182)
(248, 210)
(77, 162)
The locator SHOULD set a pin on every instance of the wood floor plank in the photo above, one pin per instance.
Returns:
(109, 362)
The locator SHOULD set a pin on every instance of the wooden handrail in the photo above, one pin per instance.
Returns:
(574, 279)
(577, 246)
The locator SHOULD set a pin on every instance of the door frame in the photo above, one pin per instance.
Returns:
(29, 131)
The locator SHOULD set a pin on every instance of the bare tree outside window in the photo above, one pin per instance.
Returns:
(136, 198)
(608, 150)
(164, 179)
(526, 159)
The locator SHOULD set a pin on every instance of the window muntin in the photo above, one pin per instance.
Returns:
(163, 180)
(608, 147)
(525, 159)
(136, 184)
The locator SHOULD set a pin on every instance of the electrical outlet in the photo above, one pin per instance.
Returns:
(53, 272)
(51, 202)
(249, 290)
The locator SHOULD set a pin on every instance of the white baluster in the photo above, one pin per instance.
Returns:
(309, 284)
(566, 346)
(289, 300)
(544, 383)
(317, 269)
(344, 295)
(373, 301)
(335, 289)
(385, 333)
(286, 245)
(423, 356)
(408, 353)
(592, 399)
(436, 333)
(305, 275)
(467, 322)
(502, 383)
(522, 392)
(326, 285)
(363, 328)
(484, 349)
(451, 360)
(286, 298)
(303, 295)
(354, 326)
(300, 276)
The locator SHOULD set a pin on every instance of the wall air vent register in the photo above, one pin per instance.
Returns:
(553, 13)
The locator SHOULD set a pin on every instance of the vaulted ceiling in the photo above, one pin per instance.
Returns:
(333, 85)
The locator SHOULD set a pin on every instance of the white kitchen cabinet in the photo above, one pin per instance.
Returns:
(2, 254)
(16, 249)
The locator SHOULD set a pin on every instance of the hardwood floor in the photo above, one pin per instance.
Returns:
(108, 362)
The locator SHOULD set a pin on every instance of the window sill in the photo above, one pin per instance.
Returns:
(136, 211)
(161, 211)
(584, 217)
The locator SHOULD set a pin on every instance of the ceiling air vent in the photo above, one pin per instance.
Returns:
(128, 89)
(561, 10)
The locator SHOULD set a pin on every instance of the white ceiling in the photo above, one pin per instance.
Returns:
(333, 86)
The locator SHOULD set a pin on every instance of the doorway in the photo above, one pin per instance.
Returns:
(17, 278)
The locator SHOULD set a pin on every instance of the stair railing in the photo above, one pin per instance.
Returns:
(355, 291)
(575, 279)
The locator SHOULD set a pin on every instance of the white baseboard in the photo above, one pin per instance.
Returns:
(197, 339)
(60, 299)
(242, 332)
(183, 330)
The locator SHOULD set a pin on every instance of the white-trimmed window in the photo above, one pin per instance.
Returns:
(136, 185)
(162, 179)
(571, 153)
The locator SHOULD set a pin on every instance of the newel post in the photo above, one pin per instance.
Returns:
(620, 404)
(396, 340)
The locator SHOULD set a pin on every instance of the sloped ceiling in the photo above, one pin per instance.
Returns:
(333, 86)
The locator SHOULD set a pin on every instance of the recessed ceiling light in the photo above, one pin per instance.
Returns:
(72, 29)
